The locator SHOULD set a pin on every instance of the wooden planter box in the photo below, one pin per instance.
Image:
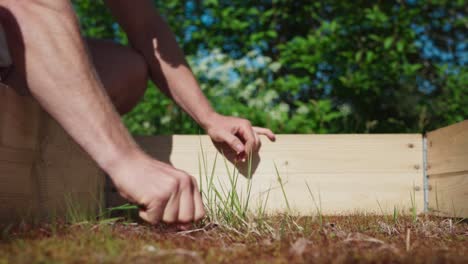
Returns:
(41, 168)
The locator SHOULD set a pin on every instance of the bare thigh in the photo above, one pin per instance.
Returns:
(123, 73)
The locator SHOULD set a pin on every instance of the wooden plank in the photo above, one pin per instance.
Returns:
(448, 195)
(304, 153)
(351, 172)
(447, 161)
(18, 195)
(19, 120)
(448, 149)
(13, 155)
(40, 165)
(18, 139)
(64, 171)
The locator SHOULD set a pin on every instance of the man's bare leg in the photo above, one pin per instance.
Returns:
(123, 73)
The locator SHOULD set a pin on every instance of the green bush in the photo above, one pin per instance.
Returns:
(309, 66)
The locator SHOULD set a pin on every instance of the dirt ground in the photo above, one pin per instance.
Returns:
(340, 239)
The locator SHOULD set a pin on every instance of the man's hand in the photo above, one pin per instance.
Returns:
(238, 133)
(162, 192)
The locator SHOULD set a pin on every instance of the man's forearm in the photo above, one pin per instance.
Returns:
(152, 37)
(61, 77)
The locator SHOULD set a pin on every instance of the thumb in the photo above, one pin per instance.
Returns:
(152, 215)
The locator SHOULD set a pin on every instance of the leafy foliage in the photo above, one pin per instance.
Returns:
(312, 66)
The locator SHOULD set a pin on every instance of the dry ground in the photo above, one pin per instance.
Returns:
(340, 239)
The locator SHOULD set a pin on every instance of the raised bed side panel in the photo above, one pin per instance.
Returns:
(43, 172)
(447, 170)
(69, 180)
(346, 173)
(19, 128)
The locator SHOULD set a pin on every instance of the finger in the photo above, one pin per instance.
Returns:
(233, 141)
(198, 202)
(247, 134)
(258, 143)
(171, 212)
(153, 214)
(186, 206)
(266, 132)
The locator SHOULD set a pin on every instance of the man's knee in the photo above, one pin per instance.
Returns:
(137, 80)
(123, 71)
(139, 75)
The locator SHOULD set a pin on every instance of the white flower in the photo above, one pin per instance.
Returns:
(165, 120)
(303, 110)
(283, 107)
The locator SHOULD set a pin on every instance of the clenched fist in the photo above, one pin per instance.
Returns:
(162, 192)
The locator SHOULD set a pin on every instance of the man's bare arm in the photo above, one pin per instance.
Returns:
(47, 48)
(61, 77)
(152, 37)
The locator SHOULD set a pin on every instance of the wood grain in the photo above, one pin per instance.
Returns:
(42, 170)
(448, 195)
(447, 171)
(351, 172)
(18, 139)
(19, 120)
(448, 149)
(65, 172)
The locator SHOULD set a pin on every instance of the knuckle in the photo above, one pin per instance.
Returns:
(172, 184)
(193, 180)
(185, 181)
(235, 140)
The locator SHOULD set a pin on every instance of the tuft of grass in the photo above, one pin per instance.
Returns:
(77, 212)
(318, 206)
(280, 181)
(384, 215)
(413, 209)
(395, 215)
(226, 204)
